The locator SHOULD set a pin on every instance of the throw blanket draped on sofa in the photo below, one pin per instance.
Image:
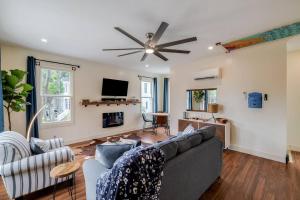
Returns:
(135, 175)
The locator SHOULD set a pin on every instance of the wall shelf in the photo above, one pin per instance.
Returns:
(87, 102)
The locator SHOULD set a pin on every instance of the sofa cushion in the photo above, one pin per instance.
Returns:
(107, 154)
(183, 143)
(207, 132)
(39, 146)
(169, 147)
(195, 138)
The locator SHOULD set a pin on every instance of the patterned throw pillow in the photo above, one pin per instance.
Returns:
(39, 146)
(189, 129)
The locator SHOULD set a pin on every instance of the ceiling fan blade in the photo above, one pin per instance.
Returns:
(129, 53)
(160, 55)
(176, 42)
(144, 57)
(161, 29)
(122, 49)
(130, 36)
(173, 51)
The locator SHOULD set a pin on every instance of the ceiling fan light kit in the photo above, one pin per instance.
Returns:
(149, 51)
(151, 46)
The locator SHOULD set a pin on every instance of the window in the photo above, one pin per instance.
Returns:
(146, 96)
(56, 92)
(198, 99)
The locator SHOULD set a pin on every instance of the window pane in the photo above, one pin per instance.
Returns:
(146, 89)
(146, 105)
(211, 96)
(58, 109)
(55, 82)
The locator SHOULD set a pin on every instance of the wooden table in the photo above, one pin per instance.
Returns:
(66, 170)
(159, 114)
(162, 120)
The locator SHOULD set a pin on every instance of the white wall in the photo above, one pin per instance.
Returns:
(293, 99)
(87, 85)
(260, 68)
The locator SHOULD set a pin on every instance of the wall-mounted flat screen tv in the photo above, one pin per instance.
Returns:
(112, 87)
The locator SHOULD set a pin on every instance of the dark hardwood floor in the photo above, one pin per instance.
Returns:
(243, 177)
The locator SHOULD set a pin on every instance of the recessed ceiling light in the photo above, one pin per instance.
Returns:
(210, 48)
(147, 65)
(44, 40)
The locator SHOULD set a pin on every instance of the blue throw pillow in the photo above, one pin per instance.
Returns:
(107, 154)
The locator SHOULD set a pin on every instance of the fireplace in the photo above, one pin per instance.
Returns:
(113, 119)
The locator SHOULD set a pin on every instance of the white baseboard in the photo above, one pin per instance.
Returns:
(257, 153)
(294, 147)
(83, 139)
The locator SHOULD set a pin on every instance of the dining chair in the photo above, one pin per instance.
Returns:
(148, 121)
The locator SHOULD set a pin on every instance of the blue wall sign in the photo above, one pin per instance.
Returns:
(255, 100)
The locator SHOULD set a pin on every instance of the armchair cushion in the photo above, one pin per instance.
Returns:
(13, 147)
(53, 157)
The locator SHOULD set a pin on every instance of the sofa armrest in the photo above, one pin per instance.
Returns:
(55, 143)
(92, 169)
(51, 158)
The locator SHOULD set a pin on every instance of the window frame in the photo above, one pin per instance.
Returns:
(40, 96)
(205, 98)
(151, 92)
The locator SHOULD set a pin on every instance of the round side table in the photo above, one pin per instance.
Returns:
(66, 170)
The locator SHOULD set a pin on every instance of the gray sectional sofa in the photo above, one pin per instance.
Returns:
(193, 163)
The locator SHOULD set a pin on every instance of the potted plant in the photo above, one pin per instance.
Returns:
(15, 92)
(198, 95)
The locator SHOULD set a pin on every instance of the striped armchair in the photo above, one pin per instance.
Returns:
(24, 173)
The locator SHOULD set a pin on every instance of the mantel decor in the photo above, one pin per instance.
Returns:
(87, 102)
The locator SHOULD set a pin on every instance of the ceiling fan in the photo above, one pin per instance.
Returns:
(151, 46)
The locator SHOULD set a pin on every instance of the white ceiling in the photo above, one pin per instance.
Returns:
(82, 28)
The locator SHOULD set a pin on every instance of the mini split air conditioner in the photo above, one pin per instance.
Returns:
(212, 73)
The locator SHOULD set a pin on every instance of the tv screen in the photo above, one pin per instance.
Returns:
(111, 87)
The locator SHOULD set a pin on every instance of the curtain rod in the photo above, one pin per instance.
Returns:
(49, 61)
(140, 76)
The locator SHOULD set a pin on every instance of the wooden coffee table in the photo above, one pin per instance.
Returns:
(66, 170)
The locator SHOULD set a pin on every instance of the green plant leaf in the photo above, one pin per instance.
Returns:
(12, 80)
(18, 73)
(14, 90)
(3, 75)
(7, 88)
(16, 107)
(27, 87)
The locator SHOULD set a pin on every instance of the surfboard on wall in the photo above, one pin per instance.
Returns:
(268, 36)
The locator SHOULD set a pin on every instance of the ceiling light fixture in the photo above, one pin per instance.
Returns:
(147, 65)
(149, 51)
(44, 40)
(210, 48)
